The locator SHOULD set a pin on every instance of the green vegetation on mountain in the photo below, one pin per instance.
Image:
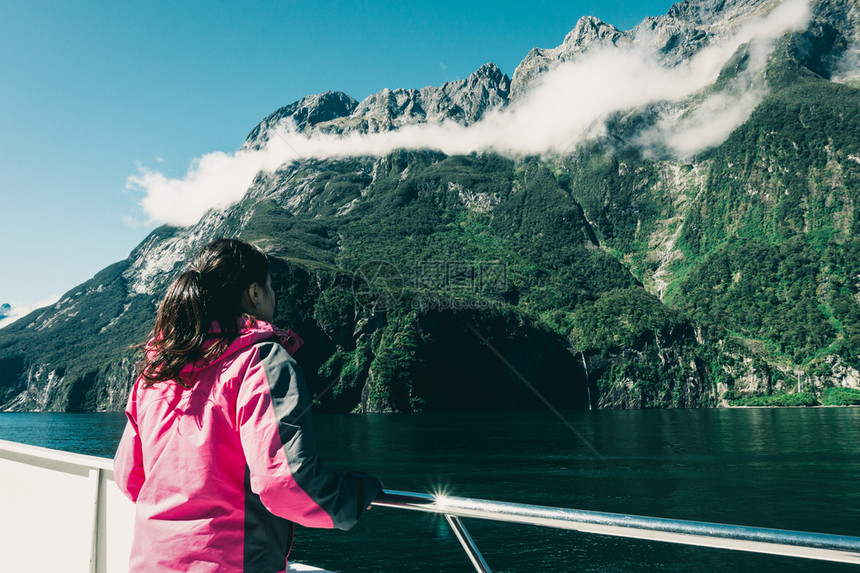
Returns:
(764, 248)
(772, 244)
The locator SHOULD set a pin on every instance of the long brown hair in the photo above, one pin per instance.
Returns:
(210, 291)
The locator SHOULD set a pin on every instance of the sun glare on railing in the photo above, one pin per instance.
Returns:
(440, 496)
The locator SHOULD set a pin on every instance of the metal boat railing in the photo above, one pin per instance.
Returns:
(819, 546)
(69, 501)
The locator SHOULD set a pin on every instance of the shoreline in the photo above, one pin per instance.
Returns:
(729, 406)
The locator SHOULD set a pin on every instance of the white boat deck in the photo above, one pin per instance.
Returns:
(63, 512)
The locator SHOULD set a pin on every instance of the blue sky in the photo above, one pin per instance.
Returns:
(91, 91)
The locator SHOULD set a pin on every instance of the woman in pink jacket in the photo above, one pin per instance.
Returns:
(218, 453)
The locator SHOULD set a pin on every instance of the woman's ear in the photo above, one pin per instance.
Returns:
(255, 291)
(252, 297)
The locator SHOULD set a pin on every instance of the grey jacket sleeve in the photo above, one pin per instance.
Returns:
(342, 497)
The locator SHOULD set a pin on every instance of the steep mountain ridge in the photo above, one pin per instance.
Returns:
(462, 101)
(675, 37)
(670, 39)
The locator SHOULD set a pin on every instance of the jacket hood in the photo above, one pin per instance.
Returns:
(251, 331)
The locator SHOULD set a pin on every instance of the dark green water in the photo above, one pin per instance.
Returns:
(781, 468)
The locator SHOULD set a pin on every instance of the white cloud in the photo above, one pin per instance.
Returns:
(568, 105)
(848, 68)
(215, 180)
(709, 122)
(706, 126)
(18, 311)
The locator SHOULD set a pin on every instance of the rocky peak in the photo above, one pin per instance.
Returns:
(589, 33)
(590, 30)
(388, 109)
(672, 38)
(306, 113)
(463, 101)
(466, 101)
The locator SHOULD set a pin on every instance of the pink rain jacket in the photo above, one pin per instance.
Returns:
(220, 471)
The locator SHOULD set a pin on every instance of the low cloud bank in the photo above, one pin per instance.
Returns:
(569, 105)
(709, 122)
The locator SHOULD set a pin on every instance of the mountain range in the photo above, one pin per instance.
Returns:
(628, 269)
